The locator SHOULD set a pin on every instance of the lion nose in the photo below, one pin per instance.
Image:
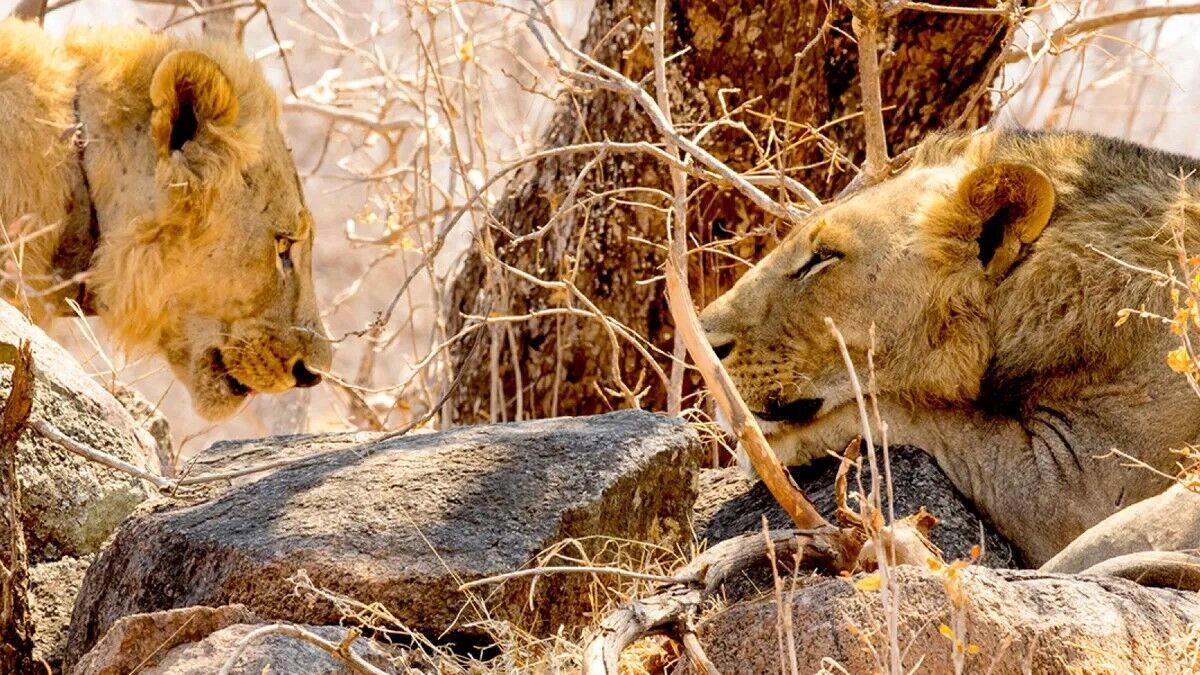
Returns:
(304, 376)
(722, 344)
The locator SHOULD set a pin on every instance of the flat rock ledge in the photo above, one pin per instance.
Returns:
(402, 522)
(1012, 621)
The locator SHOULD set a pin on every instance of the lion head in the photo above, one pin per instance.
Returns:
(205, 248)
(907, 266)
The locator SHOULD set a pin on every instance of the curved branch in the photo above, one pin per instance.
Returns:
(826, 548)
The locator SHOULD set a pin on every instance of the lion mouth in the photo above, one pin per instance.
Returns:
(799, 411)
(221, 372)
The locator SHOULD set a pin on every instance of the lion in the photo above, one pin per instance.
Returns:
(987, 275)
(149, 183)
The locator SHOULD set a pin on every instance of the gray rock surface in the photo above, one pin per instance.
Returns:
(280, 654)
(402, 522)
(731, 504)
(70, 505)
(1019, 621)
(53, 587)
(1168, 522)
(150, 418)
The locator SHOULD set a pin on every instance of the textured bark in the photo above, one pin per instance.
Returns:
(934, 69)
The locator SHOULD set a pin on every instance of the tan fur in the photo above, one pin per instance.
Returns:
(189, 260)
(1007, 367)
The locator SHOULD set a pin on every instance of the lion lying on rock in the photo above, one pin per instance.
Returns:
(984, 268)
(151, 184)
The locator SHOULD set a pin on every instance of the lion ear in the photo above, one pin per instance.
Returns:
(188, 91)
(1012, 203)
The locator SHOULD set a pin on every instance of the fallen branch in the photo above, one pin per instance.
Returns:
(341, 651)
(678, 604)
(93, 455)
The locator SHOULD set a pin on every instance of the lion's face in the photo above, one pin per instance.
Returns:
(215, 268)
(911, 259)
(248, 320)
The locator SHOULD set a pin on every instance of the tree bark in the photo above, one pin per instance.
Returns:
(797, 77)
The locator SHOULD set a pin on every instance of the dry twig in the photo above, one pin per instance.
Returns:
(342, 651)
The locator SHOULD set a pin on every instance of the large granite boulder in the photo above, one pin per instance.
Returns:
(70, 505)
(1009, 621)
(731, 504)
(403, 522)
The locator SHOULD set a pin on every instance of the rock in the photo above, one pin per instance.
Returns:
(281, 654)
(1168, 522)
(150, 418)
(731, 504)
(70, 505)
(1018, 620)
(402, 522)
(145, 639)
(53, 587)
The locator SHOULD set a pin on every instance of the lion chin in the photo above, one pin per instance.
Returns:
(216, 393)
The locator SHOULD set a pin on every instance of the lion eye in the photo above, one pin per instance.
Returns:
(817, 261)
(283, 247)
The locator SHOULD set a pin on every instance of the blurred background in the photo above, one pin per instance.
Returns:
(398, 111)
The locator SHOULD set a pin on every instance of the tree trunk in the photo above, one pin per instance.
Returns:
(801, 89)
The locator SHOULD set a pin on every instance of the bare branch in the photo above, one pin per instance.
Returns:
(572, 569)
(342, 651)
(1061, 35)
(678, 603)
(867, 14)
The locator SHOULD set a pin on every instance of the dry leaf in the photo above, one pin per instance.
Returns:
(868, 584)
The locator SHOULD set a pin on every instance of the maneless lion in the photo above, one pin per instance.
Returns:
(988, 269)
(148, 180)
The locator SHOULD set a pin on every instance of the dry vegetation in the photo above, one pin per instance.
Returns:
(407, 119)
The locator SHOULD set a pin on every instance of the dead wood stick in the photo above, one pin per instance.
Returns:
(342, 651)
(691, 643)
(16, 627)
(865, 22)
(823, 548)
(778, 481)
